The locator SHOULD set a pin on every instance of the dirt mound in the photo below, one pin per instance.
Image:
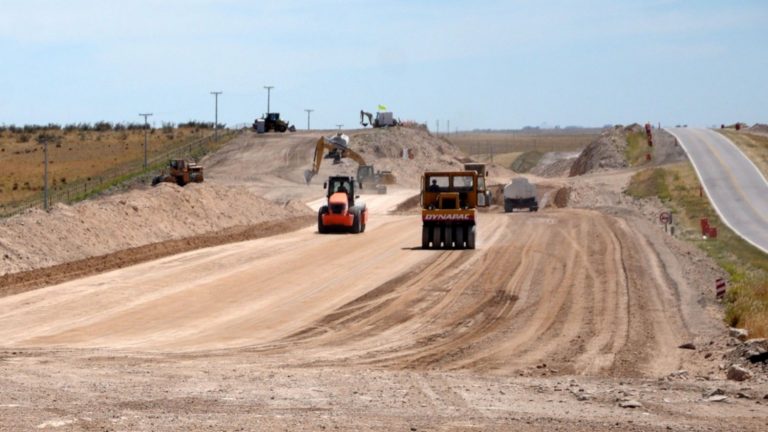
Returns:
(606, 152)
(411, 205)
(136, 218)
(526, 161)
(384, 148)
(759, 128)
(15, 283)
(555, 164)
(561, 197)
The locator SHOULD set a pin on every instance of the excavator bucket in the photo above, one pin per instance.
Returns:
(308, 174)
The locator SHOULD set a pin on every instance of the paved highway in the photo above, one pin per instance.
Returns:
(736, 188)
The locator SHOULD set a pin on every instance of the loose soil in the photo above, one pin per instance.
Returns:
(555, 321)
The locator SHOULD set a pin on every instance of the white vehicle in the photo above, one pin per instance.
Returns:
(519, 194)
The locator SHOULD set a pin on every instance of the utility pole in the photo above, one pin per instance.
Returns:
(146, 135)
(216, 118)
(339, 126)
(309, 111)
(437, 122)
(269, 89)
(44, 139)
(448, 129)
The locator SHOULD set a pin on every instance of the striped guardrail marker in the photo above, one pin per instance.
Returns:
(719, 288)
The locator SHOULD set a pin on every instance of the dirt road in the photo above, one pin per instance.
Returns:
(552, 322)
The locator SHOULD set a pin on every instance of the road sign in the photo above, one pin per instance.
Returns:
(665, 218)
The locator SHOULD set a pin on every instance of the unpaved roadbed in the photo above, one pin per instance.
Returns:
(16, 283)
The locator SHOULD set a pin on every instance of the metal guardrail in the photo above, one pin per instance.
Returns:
(85, 188)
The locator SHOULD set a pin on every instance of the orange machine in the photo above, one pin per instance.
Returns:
(448, 209)
(180, 172)
(342, 213)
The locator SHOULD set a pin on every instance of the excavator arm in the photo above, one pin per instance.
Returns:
(364, 114)
(324, 144)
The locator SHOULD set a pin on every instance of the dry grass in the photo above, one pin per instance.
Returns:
(753, 145)
(648, 183)
(748, 306)
(747, 266)
(503, 159)
(637, 148)
(75, 155)
(526, 161)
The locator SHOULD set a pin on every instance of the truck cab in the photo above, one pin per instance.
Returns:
(484, 198)
(448, 209)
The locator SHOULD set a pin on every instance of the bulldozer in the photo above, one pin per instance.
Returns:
(337, 148)
(344, 211)
(180, 172)
(383, 119)
(272, 122)
(448, 210)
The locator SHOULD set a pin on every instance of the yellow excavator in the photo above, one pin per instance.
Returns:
(337, 148)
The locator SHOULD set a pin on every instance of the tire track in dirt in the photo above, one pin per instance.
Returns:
(575, 289)
(574, 293)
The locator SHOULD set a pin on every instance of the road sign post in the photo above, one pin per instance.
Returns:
(666, 219)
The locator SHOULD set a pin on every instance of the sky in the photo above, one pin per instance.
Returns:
(478, 64)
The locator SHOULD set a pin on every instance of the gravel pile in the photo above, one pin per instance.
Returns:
(605, 153)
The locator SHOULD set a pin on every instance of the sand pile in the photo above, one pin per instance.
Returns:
(139, 217)
(555, 164)
(384, 148)
(604, 153)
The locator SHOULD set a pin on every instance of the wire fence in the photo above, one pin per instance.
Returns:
(84, 188)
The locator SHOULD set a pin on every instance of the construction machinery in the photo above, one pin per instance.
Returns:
(180, 172)
(343, 211)
(337, 148)
(484, 197)
(520, 194)
(448, 210)
(383, 119)
(272, 122)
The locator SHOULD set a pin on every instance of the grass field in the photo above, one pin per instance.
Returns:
(678, 186)
(75, 155)
(637, 148)
(504, 148)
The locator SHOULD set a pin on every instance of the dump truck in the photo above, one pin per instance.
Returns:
(337, 148)
(448, 209)
(520, 194)
(271, 122)
(343, 211)
(180, 172)
(484, 197)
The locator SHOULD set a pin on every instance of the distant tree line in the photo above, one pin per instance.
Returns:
(103, 126)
